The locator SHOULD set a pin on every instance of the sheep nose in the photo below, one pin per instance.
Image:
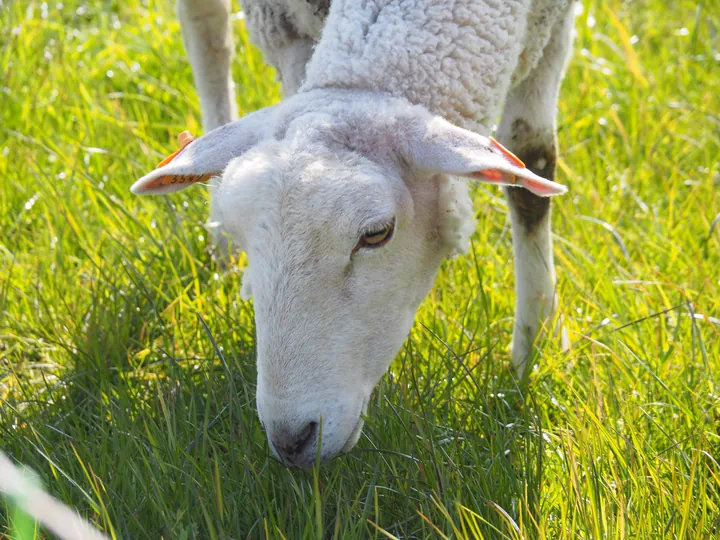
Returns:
(290, 444)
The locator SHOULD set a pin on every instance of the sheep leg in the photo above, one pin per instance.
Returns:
(528, 128)
(283, 45)
(207, 34)
(290, 64)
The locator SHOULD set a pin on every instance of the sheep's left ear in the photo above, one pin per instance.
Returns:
(200, 159)
(435, 145)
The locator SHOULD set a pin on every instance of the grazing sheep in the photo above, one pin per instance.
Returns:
(347, 196)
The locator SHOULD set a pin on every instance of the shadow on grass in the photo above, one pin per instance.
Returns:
(151, 430)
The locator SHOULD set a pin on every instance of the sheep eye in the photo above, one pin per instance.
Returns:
(376, 238)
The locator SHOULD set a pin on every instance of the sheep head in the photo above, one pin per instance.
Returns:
(346, 205)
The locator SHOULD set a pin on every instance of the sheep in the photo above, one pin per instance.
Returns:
(348, 195)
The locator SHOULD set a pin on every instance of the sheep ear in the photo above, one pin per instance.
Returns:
(440, 147)
(200, 159)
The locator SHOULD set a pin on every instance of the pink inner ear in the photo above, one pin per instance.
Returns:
(493, 176)
(541, 188)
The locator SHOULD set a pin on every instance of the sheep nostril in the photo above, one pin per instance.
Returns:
(306, 435)
(289, 445)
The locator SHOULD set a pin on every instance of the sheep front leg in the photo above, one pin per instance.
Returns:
(528, 128)
(207, 34)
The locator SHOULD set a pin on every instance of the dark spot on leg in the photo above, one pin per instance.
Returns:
(538, 151)
(530, 208)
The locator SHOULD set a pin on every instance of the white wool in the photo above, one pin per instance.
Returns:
(456, 57)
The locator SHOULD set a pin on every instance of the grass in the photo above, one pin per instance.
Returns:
(113, 392)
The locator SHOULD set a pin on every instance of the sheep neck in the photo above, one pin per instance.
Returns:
(455, 57)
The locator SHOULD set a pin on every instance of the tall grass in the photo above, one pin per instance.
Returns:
(113, 392)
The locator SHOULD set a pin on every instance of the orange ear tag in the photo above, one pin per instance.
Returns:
(508, 154)
(184, 138)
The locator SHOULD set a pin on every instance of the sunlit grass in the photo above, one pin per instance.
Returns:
(114, 393)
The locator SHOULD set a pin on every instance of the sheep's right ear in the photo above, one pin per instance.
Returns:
(435, 145)
(200, 159)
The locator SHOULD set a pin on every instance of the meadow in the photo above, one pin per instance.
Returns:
(127, 357)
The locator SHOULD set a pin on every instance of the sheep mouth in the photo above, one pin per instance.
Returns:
(352, 440)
